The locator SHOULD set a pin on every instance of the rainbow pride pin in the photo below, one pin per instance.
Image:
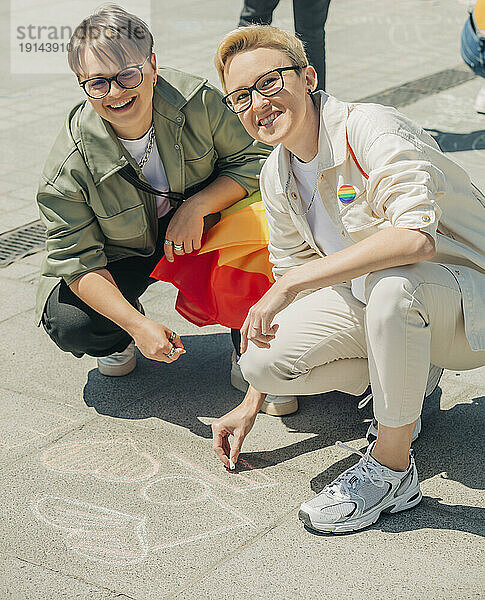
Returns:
(346, 193)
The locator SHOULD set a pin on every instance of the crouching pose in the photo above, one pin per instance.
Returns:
(112, 188)
(377, 240)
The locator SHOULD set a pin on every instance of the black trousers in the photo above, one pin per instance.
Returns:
(310, 17)
(77, 328)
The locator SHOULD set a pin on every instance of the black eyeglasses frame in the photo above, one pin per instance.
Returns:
(110, 80)
(253, 87)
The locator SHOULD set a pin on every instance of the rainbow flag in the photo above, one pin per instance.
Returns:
(231, 271)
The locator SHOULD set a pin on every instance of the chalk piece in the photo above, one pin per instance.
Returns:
(232, 466)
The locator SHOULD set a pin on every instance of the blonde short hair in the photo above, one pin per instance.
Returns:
(259, 36)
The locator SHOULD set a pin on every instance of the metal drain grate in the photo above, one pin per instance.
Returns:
(410, 92)
(20, 242)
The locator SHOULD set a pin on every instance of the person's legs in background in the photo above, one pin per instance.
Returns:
(257, 12)
(310, 17)
(473, 53)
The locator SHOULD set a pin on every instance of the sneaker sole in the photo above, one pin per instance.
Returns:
(280, 409)
(405, 502)
(117, 370)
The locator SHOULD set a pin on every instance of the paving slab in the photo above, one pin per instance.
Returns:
(33, 365)
(141, 514)
(289, 563)
(451, 119)
(24, 579)
(30, 423)
(16, 297)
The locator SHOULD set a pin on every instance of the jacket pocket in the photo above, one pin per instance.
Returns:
(199, 169)
(358, 214)
(127, 225)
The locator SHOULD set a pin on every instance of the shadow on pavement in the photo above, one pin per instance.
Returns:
(459, 142)
(197, 385)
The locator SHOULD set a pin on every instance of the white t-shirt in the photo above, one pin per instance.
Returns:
(324, 231)
(153, 169)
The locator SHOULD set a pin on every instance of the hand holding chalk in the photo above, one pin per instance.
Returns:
(238, 423)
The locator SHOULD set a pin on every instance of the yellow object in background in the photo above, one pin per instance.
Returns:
(479, 14)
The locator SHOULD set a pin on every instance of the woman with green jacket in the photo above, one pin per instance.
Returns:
(111, 186)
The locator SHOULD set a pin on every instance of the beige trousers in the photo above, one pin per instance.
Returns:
(328, 340)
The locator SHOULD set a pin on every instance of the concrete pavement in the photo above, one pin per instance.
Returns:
(110, 488)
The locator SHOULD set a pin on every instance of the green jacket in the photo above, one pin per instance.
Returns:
(94, 216)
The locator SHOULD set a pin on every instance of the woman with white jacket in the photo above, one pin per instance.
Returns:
(378, 245)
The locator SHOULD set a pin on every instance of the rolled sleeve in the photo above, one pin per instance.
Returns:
(239, 156)
(403, 185)
(75, 243)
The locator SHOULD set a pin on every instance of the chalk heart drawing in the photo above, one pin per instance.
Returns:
(118, 460)
(95, 532)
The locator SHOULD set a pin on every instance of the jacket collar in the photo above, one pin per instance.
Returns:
(332, 139)
(104, 153)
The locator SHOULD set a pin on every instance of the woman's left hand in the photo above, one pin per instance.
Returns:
(184, 230)
(258, 327)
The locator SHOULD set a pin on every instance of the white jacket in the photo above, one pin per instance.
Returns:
(400, 178)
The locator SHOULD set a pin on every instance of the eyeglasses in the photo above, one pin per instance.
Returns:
(129, 78)
(267, 85)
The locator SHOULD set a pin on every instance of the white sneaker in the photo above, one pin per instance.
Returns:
(118, 363)
(480, 101)
(277, 406)
(434, 376)
(358, 497)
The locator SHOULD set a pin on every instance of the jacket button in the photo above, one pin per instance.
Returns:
(426, 219)
(293, 195)
(177, 147)
(179, 119)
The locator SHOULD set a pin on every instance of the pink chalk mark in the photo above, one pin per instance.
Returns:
(241, 477)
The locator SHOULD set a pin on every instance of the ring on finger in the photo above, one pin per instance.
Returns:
(171, 353)
(168, 242)
(178, 247)
(172, 336)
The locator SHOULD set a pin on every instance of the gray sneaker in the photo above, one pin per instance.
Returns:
(358, 497)
(434, 377)
(118, 364)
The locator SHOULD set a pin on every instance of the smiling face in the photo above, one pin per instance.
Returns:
(276, 119)
(128, 110)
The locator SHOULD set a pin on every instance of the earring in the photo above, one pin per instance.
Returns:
(309, 92)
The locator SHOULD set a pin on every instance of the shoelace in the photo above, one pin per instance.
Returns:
(362, 470)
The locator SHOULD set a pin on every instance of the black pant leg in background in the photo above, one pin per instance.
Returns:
(257, 12)
(310, 17)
